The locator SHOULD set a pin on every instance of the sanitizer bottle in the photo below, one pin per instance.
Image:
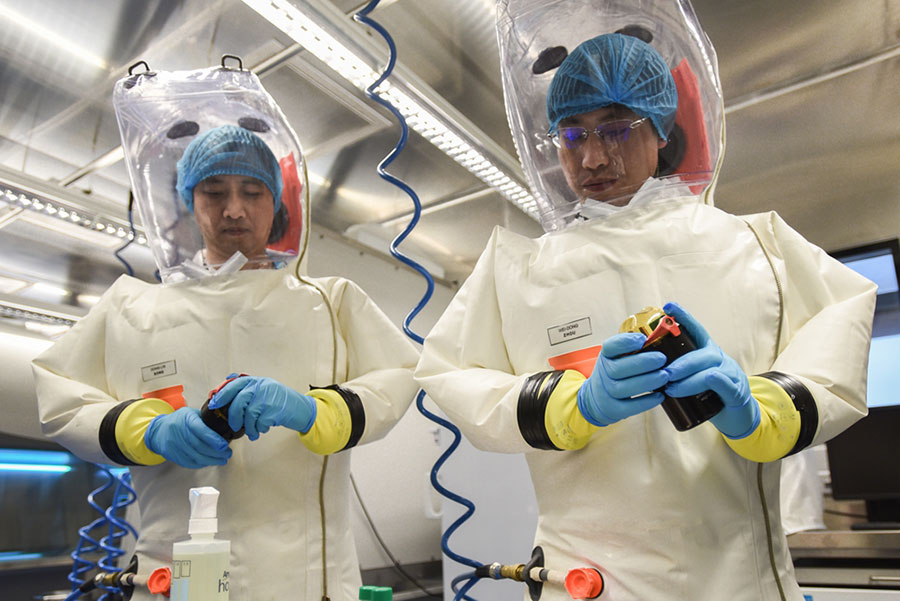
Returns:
(200, 564)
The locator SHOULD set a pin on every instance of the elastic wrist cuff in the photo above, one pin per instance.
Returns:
(803, 402)
(123, 428)
(779, 424)
(567, 427)
(340, 420)
(532, 408)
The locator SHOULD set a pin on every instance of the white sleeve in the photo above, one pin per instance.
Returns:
(70, 378)
(826, 328)
(380, 360)
(465, 368)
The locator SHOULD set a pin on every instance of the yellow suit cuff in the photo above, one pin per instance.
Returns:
(131, 426)
(567, 428)
(779, 424)
(331, 430)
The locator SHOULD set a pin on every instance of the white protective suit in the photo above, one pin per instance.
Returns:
(263, 323)
(663, 515)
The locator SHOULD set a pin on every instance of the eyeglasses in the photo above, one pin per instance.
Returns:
(609, 132)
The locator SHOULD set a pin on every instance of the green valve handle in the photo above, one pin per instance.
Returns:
(375, 593)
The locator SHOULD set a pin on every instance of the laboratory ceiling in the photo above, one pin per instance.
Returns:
(811, 95)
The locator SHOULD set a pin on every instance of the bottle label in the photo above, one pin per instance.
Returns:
(200, 577)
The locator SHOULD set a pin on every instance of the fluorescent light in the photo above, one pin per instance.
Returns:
(312, 35)
(34, 310)
(84, 229)
(49, 289)
(23, 460)
(56, 208)
(52, 37)
(18, 467)
(15, 556)
(28, 456)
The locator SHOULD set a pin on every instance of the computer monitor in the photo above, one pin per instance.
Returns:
(865, 465)
(865, 459)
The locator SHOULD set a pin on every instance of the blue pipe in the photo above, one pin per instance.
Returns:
(362, 17)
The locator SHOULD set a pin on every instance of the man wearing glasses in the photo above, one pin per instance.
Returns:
(527, 359)
(611, 107)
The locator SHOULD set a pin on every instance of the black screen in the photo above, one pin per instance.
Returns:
(865, 463)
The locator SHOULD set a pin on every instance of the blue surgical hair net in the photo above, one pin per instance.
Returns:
(227, 150)
(614, 69)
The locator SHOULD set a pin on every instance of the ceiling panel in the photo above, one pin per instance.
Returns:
(769, 42)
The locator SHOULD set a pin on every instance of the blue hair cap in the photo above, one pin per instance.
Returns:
(614, 69)
(227, 150)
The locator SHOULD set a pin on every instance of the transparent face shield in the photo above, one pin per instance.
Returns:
(217, 172)
(629, 117)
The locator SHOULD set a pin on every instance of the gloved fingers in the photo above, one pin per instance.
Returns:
(229, 391)
(255, 422)
(642, 403)
(627, 388)
(732, 393)
(266, 409)
(263, 423)
(200, 445)
(204, 454)
(619, 410)
(633, 365)
(237, 410)
(707, 357)
(696, 331)
(621, 344)
(208, 437)
(694, 384)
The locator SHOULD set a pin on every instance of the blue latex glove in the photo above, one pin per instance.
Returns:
(610, 394)
(708, 368)
(257, 404)
(183, 438)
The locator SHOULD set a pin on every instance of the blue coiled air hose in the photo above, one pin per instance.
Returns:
(362, 17)
(117, 528)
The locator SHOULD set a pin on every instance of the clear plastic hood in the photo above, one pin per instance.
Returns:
(237, 130)
(545, 39)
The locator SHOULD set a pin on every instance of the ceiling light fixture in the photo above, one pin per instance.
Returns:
(35, 196)
(33, 310)
(341, 44)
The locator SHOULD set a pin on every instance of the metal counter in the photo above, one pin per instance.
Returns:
(853, 558)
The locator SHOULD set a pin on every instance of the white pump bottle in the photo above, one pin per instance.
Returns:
(200, 565)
